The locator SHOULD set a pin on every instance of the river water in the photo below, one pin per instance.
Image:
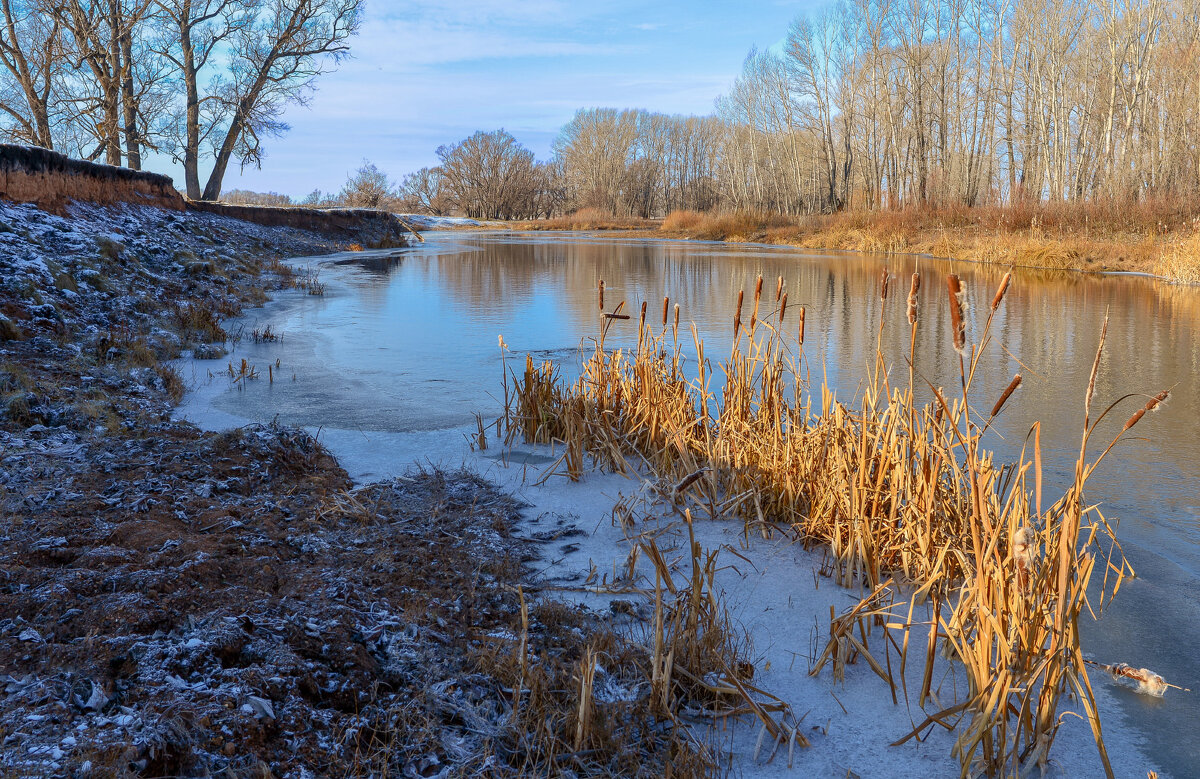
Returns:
(406, 342)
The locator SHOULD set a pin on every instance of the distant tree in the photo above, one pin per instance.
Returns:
(368, 187)
(489, 176)
(422, 193)
(550, 191)
(314, 199)
(245, 197)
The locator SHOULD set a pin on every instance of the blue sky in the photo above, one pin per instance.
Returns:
(430, 72)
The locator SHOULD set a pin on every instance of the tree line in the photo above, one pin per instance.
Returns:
(204, 81)
(886, 104)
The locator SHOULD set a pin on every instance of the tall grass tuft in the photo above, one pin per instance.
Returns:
(896, 489)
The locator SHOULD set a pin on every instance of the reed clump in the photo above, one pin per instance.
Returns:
(1146, 236)
(901, 492)
(1180, 260)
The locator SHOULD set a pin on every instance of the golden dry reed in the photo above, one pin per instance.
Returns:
(897, 490)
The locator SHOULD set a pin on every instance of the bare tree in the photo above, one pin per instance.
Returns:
(191, 34)
(368, 187)
(489, 176)
(421, 192)
(275, 62)
(31, 53)
(102, 35)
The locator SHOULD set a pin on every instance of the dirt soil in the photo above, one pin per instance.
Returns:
(176, 602)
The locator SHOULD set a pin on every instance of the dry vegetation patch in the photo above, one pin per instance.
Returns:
(903, 494)
(1146, 236)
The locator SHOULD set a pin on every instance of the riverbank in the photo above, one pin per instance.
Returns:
(176, 602)
(248, 609)
(1158, 239)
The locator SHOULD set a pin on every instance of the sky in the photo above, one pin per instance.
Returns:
(429, 72)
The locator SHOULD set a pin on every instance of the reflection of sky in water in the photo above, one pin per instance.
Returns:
(412, 345)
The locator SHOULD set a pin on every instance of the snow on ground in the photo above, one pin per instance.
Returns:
(427, 222)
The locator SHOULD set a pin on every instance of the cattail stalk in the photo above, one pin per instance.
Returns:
(1091, 390)
(757, 296)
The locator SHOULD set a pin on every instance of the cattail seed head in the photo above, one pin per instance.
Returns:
(802, 325)
(883, 285)
(601, 287)
(1024, 554)
(666, 304)
(957, 325)
(782, 308)
(737, 315)
(778, 288)
(1000, 292)
(912, 298)
(1151, 405)
(676, 317)
(757, 296)
(1012, 387)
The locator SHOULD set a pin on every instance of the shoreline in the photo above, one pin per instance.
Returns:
(986, 249)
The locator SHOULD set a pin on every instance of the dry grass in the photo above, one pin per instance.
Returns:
(1180, 260)
(199, 322)
(587, 219)
(1146, 236)
(894, 488)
